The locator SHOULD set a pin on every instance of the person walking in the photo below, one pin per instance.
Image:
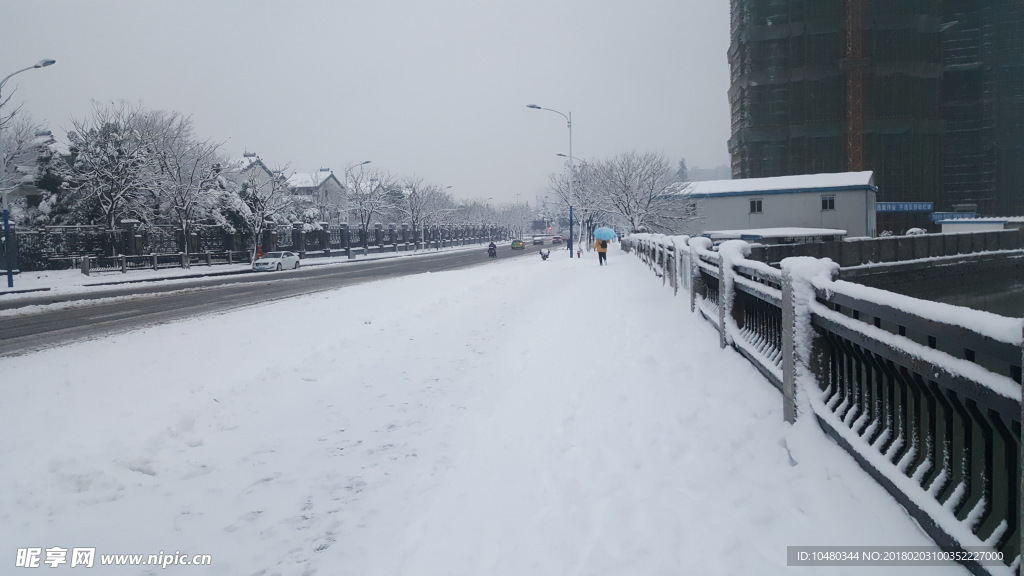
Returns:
(602, 250)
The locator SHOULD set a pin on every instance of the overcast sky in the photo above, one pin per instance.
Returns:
(433, 88)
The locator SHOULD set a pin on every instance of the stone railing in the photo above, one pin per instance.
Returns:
(925, 396)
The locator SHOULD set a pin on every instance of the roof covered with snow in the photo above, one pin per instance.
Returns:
(237, 165)
(308, 180)
(243, 163)
(784, 232)
(784, 184)
(986, 220)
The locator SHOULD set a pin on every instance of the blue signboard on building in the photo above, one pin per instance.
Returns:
(904, 206)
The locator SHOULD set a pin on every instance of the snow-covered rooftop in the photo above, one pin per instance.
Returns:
(784, 232)
(238, 165)
(305, 180)
(798, 183)
(243, 163)
(986, 220)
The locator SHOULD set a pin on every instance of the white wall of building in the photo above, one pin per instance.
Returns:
(954, 226)
(850, 210)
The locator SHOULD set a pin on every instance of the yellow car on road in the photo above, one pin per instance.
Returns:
(518, 245)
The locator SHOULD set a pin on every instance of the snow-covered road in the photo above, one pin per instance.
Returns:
(517, 418)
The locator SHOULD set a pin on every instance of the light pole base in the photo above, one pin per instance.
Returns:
(8, 247)
(569, 243)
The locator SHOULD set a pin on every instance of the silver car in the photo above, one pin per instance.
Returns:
(276, 261)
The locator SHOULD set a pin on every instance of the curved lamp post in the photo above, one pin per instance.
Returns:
(568, 123)
(347, 189)
(8, 246)
(572, 178)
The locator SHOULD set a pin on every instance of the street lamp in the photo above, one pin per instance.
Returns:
(347, 189)
(8, 245)
(572, 178)
(568, 123)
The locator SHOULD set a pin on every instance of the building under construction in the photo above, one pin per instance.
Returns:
(928, 94)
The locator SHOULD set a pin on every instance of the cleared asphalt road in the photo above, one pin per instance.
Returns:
(163, 303)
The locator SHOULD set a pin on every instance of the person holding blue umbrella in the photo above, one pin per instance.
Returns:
(601, 237)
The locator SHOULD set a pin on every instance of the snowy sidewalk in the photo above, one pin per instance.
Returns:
(517, 418)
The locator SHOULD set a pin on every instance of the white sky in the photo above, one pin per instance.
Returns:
(436, 88)
(448, 424)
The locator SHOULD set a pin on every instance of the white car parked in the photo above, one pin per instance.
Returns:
(276, 261)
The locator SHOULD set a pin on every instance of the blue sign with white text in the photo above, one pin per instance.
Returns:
(904, 206)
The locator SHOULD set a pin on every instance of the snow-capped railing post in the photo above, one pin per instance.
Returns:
(670, 261)
(695, 278)
(663, 259)
(802, 350)
(723, 302)
(788, 348)
(681, 264)
(346, 242)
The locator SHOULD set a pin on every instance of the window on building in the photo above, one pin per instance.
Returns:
(828, 202)
(755, 206)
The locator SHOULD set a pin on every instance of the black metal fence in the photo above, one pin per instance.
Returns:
(132, 247)
(930, 408)
(124, 263)
(379, 238)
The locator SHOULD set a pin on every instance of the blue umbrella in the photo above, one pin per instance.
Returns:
(604, 234)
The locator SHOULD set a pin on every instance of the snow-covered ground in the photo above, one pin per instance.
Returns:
(521, 417)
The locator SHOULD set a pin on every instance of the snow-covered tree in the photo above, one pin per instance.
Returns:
(424, 204)
(258, 195)
(186, 176)
(516, 217)
(109, 172)
(372, 195)
(682, 172)
(24, 153)
(642, 190)
(20, 152)
(590, 206)
(475, 213)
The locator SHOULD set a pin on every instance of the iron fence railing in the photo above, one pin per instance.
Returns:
(123, 263)
(927, 398)
(944, 415)
(57, 246)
